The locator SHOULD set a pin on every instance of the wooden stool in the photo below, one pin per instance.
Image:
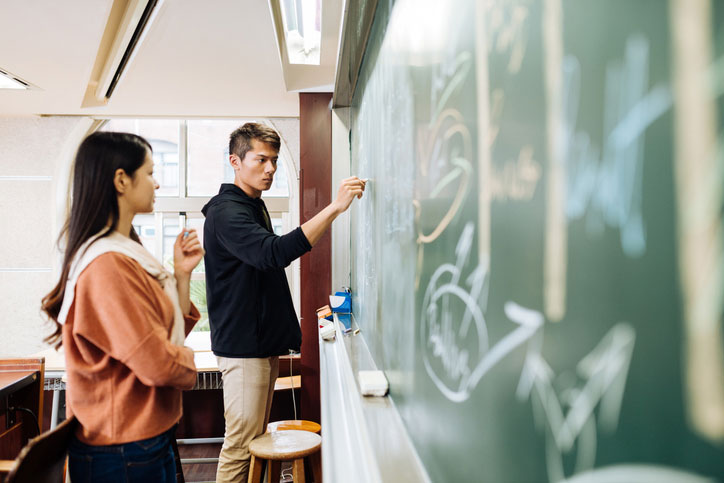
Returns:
(297, 424)
(300, 425)
(287, 445)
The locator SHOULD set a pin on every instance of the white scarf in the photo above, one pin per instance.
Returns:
(115, 242)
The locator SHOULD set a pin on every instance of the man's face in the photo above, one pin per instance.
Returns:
(255, 172)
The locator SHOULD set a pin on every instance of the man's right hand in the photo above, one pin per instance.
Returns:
(348, 189)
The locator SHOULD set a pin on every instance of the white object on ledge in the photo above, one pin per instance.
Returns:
(327, 331)
(373, 383)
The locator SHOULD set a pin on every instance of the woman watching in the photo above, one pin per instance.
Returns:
(122, 319)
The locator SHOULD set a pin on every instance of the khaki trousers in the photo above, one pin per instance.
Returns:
(248, 392)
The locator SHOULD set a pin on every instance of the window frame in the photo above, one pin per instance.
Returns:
(186, 207)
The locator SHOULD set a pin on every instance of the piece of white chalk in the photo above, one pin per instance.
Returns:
(372, 383)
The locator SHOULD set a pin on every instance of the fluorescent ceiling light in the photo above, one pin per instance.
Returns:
(9, 81)
(139, 15)
(302, 30)
(126, 27)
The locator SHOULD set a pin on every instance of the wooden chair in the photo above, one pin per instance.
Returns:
(289, 445)
(21, 386)
(43, 459)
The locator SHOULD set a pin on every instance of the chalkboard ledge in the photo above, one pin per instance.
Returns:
(363, 438)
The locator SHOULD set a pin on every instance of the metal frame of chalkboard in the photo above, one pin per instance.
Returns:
(356, 25)
(364, 440)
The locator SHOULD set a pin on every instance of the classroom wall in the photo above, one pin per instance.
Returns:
(340, 171)
(315, 155)
(30, 148)
(288, 129)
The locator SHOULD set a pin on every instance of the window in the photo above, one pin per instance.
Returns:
(302, 20)
(164, 138)
(191, 160)
(208, 154)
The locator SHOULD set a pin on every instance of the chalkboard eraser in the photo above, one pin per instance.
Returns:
(372, 383)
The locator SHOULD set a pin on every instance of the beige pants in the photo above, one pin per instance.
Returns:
(248, 392)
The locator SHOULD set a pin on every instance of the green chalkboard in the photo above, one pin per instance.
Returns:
(538, 260)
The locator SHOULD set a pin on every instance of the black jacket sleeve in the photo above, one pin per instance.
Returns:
(244, 238)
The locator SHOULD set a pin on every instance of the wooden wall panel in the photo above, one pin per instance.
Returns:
(315, 146)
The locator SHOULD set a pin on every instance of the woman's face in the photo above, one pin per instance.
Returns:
(142, 193)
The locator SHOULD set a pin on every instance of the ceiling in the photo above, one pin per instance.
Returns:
(212, 58)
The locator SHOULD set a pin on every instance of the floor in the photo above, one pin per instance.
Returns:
(206, 472)
(199, 472)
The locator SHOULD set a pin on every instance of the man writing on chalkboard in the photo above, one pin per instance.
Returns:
(251, 314)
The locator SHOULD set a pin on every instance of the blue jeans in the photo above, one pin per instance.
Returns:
(149, 460)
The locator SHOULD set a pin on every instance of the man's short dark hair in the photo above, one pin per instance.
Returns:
(240, 139)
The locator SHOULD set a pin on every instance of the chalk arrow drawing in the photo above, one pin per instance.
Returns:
(457, 351)
(566, 410)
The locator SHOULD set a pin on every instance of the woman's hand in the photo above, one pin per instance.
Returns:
(187, 252)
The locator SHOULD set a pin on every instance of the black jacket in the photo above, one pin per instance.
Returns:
(251, 313)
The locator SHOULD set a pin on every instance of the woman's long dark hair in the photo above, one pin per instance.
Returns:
(94, 202)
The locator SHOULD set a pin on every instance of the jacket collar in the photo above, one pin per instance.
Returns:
(230, 188)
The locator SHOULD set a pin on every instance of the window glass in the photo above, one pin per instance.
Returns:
(277, 226)
(280, 185)
(197, 294)
(171, 229)
(208, 159)
(302, 30)
(163, 135)
(145, 226)
(198, 224)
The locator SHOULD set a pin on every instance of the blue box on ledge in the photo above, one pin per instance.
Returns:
(346, 321)
(341, 302)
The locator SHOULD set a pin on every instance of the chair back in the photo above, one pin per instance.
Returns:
(42, 460)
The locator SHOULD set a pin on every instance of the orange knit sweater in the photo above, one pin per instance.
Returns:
(124, 376)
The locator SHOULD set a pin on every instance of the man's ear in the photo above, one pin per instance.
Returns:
(235, 161)
(121, 181)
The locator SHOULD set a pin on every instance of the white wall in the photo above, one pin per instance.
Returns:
(30, 148)
(288, 129)
(340, 171)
